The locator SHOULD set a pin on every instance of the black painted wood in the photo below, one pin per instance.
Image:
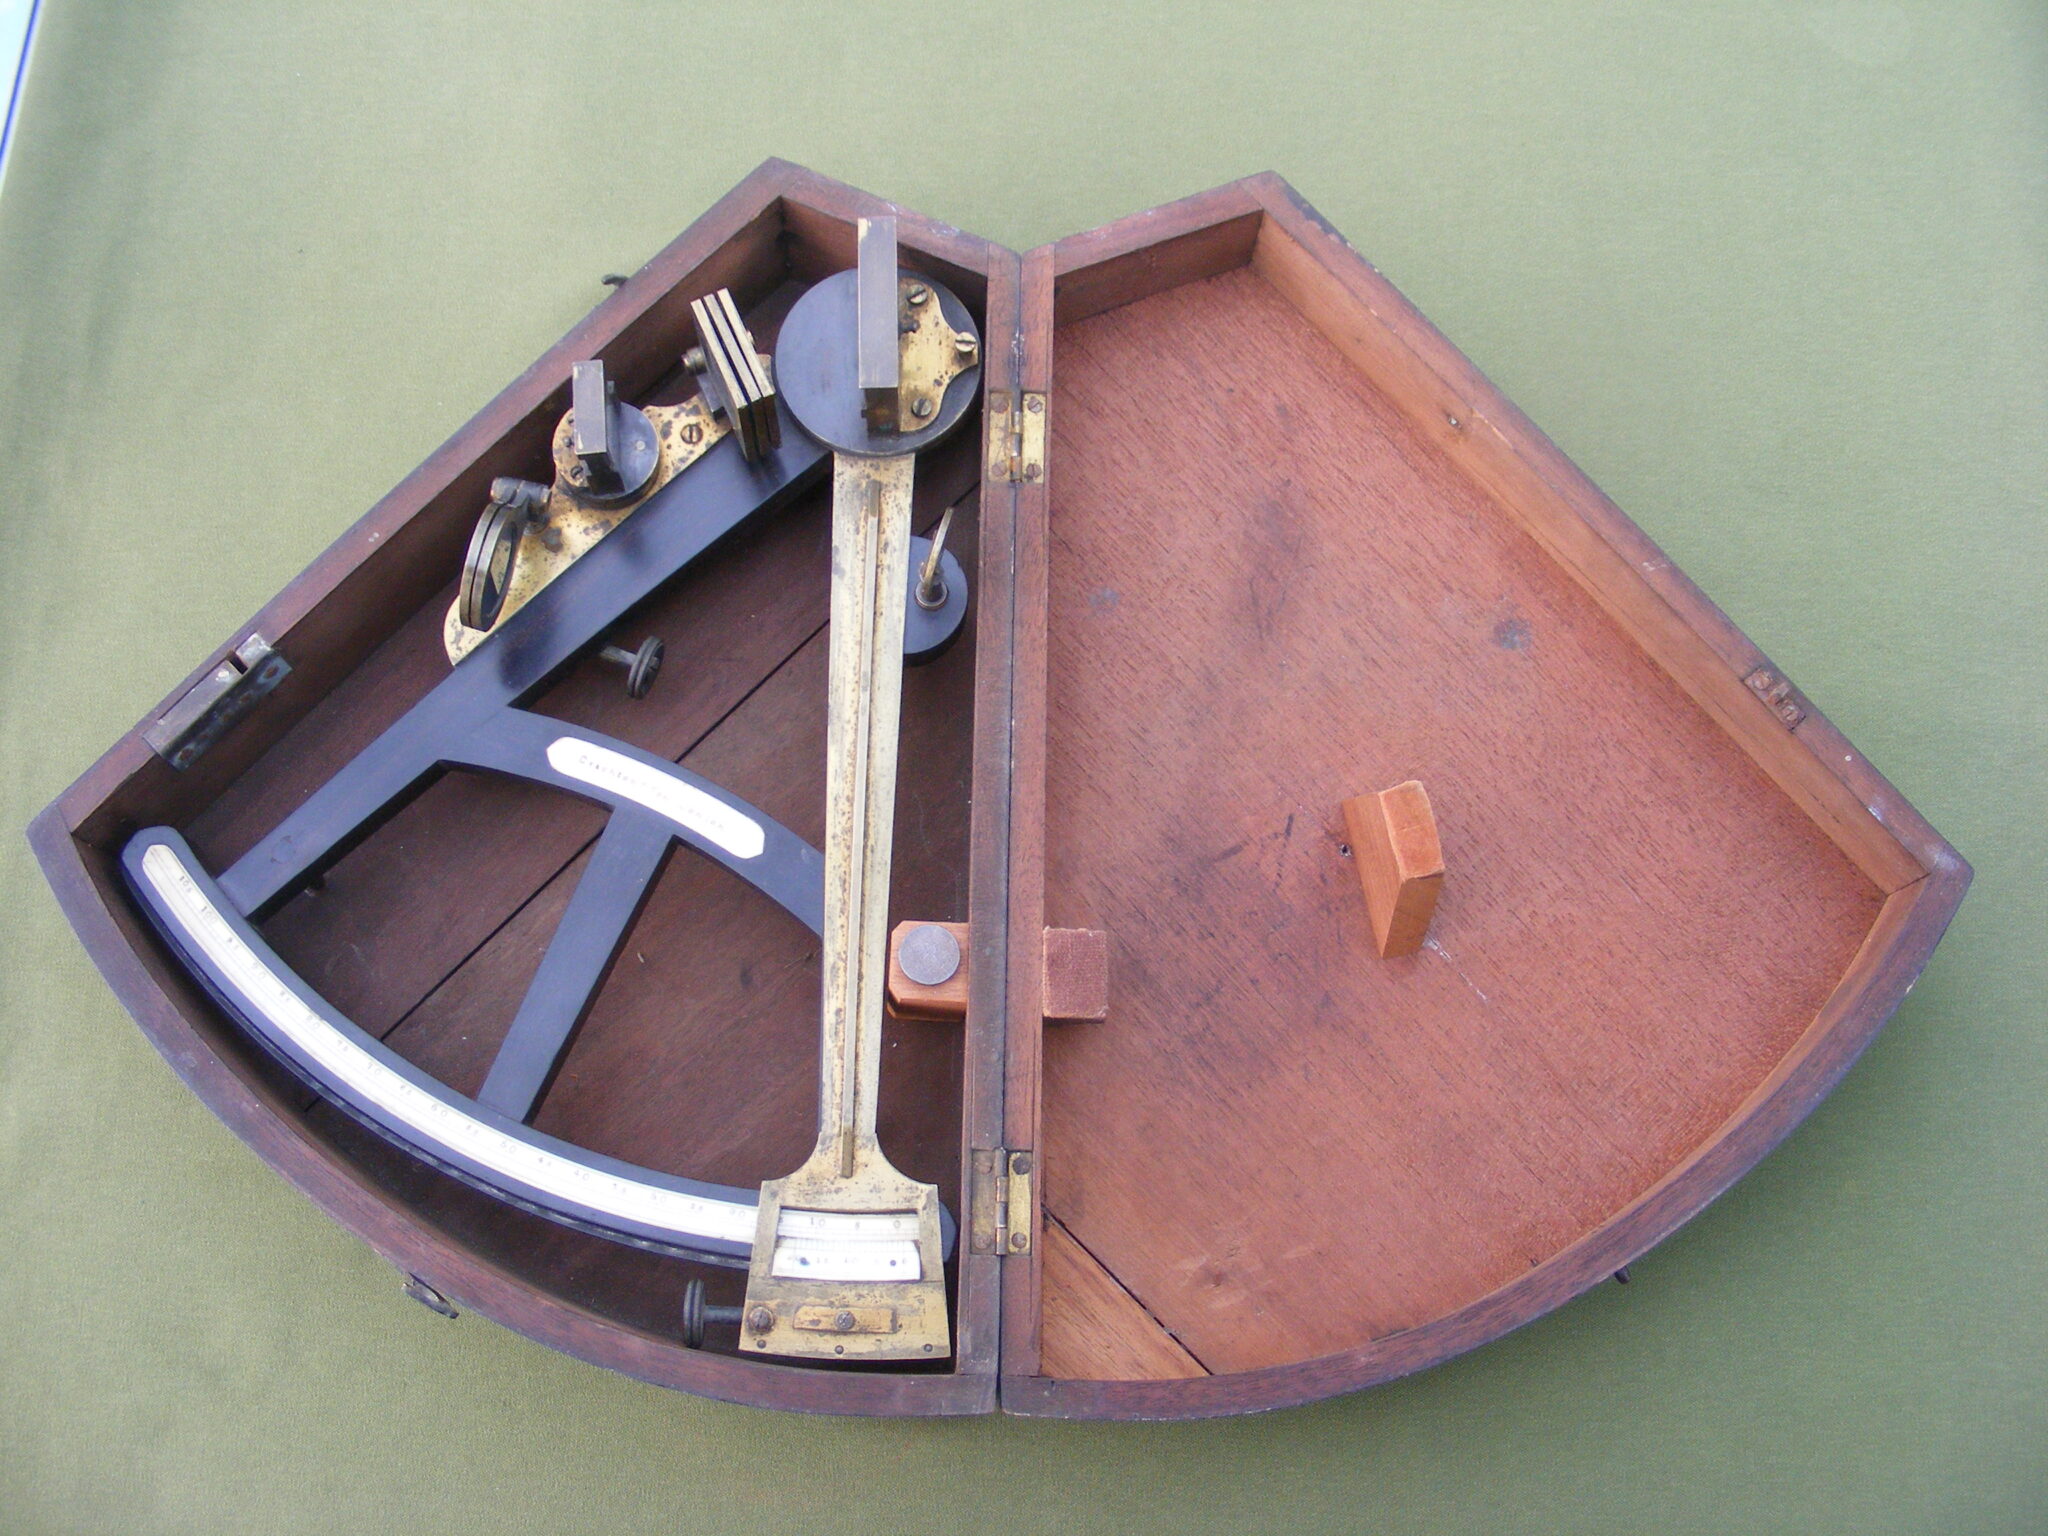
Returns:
(678, 523)
(609, 897)
(788, 870)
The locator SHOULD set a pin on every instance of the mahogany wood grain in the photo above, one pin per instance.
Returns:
(1476, 428)
(1871, 943)
(1401, 1137)
(1134, 258)
(387, 925)
(1911, 923)
(1073, 985)
(342, 606)
(1420, 1153)
(1074, 981)
(978, 1315)
(713, 1002)
(322, 1165)
(1094, 1329)
(1025, 980)
(723, 592)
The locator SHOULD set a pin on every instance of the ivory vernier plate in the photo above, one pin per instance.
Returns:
(1240, 538)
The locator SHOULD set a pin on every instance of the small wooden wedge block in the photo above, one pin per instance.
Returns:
(1400, 863)
(1074, 982)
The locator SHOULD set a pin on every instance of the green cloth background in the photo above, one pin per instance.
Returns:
(1776, 275)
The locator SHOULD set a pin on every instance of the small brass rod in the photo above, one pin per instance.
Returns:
(928, 573)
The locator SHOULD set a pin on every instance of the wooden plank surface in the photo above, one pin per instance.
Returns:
(1266, 587)
(1094, 1329)
(1451, 405)
(373, 940)
(1024, 981)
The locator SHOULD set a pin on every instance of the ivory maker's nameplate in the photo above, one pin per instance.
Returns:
(684, 804)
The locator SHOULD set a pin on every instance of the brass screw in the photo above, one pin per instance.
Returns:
(964, 345)
(921, 407)
(1017, 1242)
(918, 293)
(693, 433)
(760, 1319)
(843, 1322)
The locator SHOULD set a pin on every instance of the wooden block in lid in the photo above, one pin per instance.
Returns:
(1400, 863)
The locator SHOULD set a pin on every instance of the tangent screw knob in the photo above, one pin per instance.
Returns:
(641, 666)
(698, 1315)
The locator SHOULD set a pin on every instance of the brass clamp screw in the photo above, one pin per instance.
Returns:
(699, 1315)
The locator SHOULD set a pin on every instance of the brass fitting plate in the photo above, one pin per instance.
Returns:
(570, 524)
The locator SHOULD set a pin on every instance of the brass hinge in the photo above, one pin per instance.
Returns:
(1016, 436)
(1776, 690)
(999, 1208)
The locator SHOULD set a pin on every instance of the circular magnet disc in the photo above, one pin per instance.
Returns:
(929, 955)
